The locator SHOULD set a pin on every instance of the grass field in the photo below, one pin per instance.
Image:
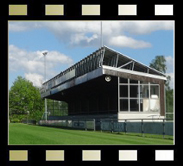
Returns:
(22, 134)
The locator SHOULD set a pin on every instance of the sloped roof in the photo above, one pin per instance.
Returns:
(124, 59)
(110, 57)
(102, 57)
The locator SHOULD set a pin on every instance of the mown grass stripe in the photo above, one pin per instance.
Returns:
(27, 135)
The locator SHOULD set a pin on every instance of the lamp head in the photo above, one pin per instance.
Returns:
(108, 78)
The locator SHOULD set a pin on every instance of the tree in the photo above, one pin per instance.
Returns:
(24, 98)
(159, 63)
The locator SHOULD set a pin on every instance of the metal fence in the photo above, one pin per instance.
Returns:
(88, 124)
(156, 126)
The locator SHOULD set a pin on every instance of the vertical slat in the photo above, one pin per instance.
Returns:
(128, 95)
(139, 94)
(149, 96)
(162, 99)
(118, 95)
(117, 57)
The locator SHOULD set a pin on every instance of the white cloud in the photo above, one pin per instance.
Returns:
(145, 27)
(35, 78)
(87, 33)
(18, 26)
(170, 69)
(124, 41)
(32, 63)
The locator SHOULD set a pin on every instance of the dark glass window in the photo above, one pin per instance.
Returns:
(134, 91)
(124, 105)
(133, 81)
(124, 91)
(123, 80)
(134, 105)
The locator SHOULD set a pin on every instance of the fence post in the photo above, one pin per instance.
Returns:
(94, 124)
(163, 128)
(100, 125)
(85, 125)
(112, 126)
(125, 126)
(142, 129)
(118, 125)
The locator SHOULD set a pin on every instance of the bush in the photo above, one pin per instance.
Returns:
(15, 120)
(30, 121)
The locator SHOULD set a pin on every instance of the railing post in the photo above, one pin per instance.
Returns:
(100, 125)
(125, 126)
(112, 126)
(118, 125)
(142, 129)
(85, 125)
(163, 128)
(94, 124)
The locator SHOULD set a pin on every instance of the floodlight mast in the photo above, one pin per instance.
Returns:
(45, 53)
(101, 42)
(101, 45)
(45, 100)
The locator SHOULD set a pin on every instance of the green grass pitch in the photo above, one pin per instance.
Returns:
(23, 134)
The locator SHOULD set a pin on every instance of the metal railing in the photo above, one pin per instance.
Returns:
(86, 124)
(160, 126)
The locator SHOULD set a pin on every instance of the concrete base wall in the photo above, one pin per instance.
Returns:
(139, 115)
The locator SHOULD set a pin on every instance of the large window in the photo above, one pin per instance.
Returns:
(138, 96)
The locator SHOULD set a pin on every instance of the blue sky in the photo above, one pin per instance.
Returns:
(67, 42)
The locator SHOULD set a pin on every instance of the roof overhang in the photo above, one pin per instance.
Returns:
(108, 70)
(104, 70)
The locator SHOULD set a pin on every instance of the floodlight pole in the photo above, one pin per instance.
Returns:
(45, 53)
(101, 35)
(45, 100)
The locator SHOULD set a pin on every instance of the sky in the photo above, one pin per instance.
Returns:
(67, 42)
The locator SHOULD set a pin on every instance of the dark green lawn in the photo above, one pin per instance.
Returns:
(22, 134)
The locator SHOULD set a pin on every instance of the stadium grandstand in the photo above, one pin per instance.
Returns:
(107, 84)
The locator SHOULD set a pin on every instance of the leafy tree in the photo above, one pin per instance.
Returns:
(159, 63)
(25, 99)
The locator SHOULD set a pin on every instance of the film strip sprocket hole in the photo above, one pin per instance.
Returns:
(90, 10)
(91, 155)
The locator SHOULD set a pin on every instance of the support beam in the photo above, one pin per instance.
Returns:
(129, 95)
(133, 65)
(118, 94)
(102, 51)
(125, 64)
(117, 57)
(162, 99)
(149, 85)
(139, 94)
